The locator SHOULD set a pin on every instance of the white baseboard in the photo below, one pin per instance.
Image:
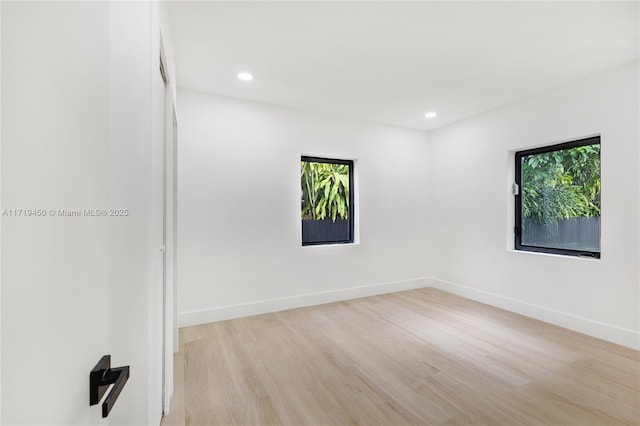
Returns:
(612, 333)
(222, 313)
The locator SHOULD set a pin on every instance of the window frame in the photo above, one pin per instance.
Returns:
(349, 163)
(518, 198)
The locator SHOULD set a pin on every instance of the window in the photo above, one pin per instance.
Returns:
(558, 199)
(327, 201)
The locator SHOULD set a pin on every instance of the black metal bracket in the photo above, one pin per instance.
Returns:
(101, 377)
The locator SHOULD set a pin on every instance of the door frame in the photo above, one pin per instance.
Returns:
(168, 248)
(1, 207)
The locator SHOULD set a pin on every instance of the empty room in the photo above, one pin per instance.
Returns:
(320, 213)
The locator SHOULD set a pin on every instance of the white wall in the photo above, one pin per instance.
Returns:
(135, 182)
(54, 269)
(79, 131)
(472, 221)
(239, 209)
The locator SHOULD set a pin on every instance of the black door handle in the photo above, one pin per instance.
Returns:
(101, 376)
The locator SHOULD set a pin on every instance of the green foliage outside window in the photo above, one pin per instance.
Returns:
(561, 184)
(325, 190)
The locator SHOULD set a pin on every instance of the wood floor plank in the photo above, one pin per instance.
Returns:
(176, 414)
(418, 357)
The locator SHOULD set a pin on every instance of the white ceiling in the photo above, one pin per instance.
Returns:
(391, 62)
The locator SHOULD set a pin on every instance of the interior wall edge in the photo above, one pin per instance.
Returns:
(222, 313)
(1, 206)
(612, 333)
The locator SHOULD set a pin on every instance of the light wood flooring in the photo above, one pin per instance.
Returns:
(416, 357)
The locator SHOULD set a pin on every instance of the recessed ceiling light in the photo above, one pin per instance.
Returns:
(245, 76)
(430, 114)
